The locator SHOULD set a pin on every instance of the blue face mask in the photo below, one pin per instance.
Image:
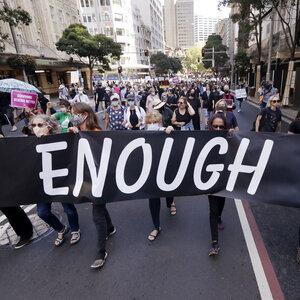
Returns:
(115, 103)
(130, 103)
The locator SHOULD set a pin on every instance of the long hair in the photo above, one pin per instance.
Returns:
(92, 121)
(218, 116)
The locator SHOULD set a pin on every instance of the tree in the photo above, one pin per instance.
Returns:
(161, 63)
(175, 64)
(13, 17)
(190, 61)
(215, 41)
(97, 49)
(241, 62)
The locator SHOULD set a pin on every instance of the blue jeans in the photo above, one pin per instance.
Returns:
(45, 213)
(238, 104)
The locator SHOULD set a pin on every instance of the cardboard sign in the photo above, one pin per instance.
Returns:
(23, 99)
(240, 93)
(74, 77)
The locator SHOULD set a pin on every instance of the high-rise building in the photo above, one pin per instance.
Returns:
(179, 23)
(152, 16)
(223, 29)
(204, 27)
(49, 19)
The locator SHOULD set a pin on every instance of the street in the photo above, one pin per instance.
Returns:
(176, 265)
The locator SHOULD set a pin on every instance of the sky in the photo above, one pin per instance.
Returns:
(209, 8)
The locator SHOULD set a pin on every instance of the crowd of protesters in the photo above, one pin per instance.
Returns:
(139, 106)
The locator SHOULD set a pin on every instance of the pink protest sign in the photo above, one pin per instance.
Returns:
(23, 99)
(176, 80)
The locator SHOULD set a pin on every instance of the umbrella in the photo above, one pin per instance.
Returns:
(7, 85)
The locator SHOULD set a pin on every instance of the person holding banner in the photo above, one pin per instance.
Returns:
(42, 125)
(154, 122)
(84, 119)
(216, 203)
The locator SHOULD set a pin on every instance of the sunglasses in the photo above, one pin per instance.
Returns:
(218, 126)
(274, 101)
(180, 102)
(40, 125)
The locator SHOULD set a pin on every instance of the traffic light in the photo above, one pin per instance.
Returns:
(120, 69)
(198, 59)
(203, 52)
(146, 52)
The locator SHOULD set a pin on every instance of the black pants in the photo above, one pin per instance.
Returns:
(196, 121)
(103, 225)
(154, 205)
(216, 205)
(9, 111)
(18, 220)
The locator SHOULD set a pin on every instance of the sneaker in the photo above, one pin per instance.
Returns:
(221, 225)
(298, 255)
(23, 242)
(98, 263)
(214, 250)
(112, 232)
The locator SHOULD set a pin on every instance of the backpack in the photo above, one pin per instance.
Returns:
(262, 120)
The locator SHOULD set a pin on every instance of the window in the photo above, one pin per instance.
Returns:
(82, 3)
(61, 17)
(92, 3)
(87, 4)
(52, 13)
(120, 31)
(21, 36)
(105, 2)
(106, 17)
(94, 18)
(48, 74)
(119, 17)
(84, 19)
(68, 17)
(89, 19)
(109, 31)
(119, 2)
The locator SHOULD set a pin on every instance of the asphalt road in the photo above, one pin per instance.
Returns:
(175, 266)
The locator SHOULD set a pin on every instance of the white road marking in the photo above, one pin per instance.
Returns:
(259, 272)
(3, 229)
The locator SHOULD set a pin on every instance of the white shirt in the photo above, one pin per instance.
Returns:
(80, 98)
(140, 114)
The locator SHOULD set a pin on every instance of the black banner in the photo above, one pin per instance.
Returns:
(115, 166)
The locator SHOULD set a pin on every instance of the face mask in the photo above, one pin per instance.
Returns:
(226, 91)
(115, 103)
(40, 131)
(130, 103)
(77, 120)
(153, 93)
(181, 105)
(154, 127)
(63, 110)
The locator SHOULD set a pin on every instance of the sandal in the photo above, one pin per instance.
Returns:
(75, 237)
(61, 236)
(173, 211)
(152, 236)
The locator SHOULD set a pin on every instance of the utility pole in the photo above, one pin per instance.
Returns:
(12, 29)
(213, 57)
(268, 75)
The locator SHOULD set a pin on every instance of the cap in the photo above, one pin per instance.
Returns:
(130, 97)
(115, 96)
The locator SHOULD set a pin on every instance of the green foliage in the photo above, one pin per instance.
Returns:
(77, 40)
(241, 62)
(161, 63)
(20, 62)
(13, 17)
(175, 64)
(215, 41)
(190, 61)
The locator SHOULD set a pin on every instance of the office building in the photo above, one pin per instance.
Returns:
(204, 27)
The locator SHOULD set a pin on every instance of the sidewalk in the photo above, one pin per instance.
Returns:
(287, 112)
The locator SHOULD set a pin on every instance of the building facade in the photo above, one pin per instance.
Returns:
(49, 19)
(223, 29)
(152, 16)
(179, 23)
(204, 27)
